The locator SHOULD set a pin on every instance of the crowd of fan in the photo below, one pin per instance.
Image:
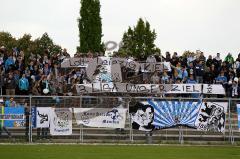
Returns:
(43, 75)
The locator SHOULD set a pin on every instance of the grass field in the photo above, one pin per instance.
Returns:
(116, 152)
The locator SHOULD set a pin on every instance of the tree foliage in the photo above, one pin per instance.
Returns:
(90, 27)
(26, 44)
(139, 40)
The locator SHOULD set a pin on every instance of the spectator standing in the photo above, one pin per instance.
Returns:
(23, 85)
(10, 84)
(199, 68)
(229, 60)
(209, 61)
(217, 61)
(234, 90)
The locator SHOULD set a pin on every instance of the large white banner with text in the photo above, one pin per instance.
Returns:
(101, 117)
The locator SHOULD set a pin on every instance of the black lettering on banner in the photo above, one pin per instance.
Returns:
(128, 87)
(188, 88)
(162, 88)
(106, 87)
(175, 88)
(209, 89)
(146, 67)
(82, 89)
(134, 88)
(153, 88)
(115, 88)
(142, 89)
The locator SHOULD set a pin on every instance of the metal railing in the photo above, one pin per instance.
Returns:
(83, 134)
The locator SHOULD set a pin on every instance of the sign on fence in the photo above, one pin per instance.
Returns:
(174, 113)
(41, 117)
(61, 121)
(13, 116)
(212, 116)
(101, 117)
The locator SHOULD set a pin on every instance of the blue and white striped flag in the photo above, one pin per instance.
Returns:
(173, 113)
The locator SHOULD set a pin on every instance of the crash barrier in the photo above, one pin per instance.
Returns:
(105, 119)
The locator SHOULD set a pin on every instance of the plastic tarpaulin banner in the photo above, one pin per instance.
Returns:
(41, 117)
(149, 88)
(174, 113)
(101, 117)
(61, 121)
(212, 116)
(12, 117)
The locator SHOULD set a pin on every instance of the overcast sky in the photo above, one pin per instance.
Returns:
(209, 25)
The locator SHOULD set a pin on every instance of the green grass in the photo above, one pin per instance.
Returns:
(116, 152)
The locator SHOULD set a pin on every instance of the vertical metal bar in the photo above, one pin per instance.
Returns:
(81, 126)
(230, 123)
(180, 130)
(130, 122)
(80, 133)
(30, 120)
(229, 120)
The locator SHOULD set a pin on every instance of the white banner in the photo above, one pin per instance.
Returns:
(152, 67)
(76, 62)
(61, 121)
(213, 89)
(147, 88)
(101, 117)
(123, 62)
(43, 117)
(212, 116)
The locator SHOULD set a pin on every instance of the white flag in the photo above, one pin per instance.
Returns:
(61, 121)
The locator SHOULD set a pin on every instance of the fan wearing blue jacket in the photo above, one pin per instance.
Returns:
(23, 85)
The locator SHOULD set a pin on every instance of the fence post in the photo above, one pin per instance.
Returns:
(130, 123)
(229, 121)
(30, 120)
(81, 127)
(180, 130)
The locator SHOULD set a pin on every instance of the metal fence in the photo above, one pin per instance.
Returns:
(83, 134)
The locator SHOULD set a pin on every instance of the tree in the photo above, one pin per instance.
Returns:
(27, 45)
(7, 40)
(24, 42)
(45, 43)
(139, 41)
(90, 27)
